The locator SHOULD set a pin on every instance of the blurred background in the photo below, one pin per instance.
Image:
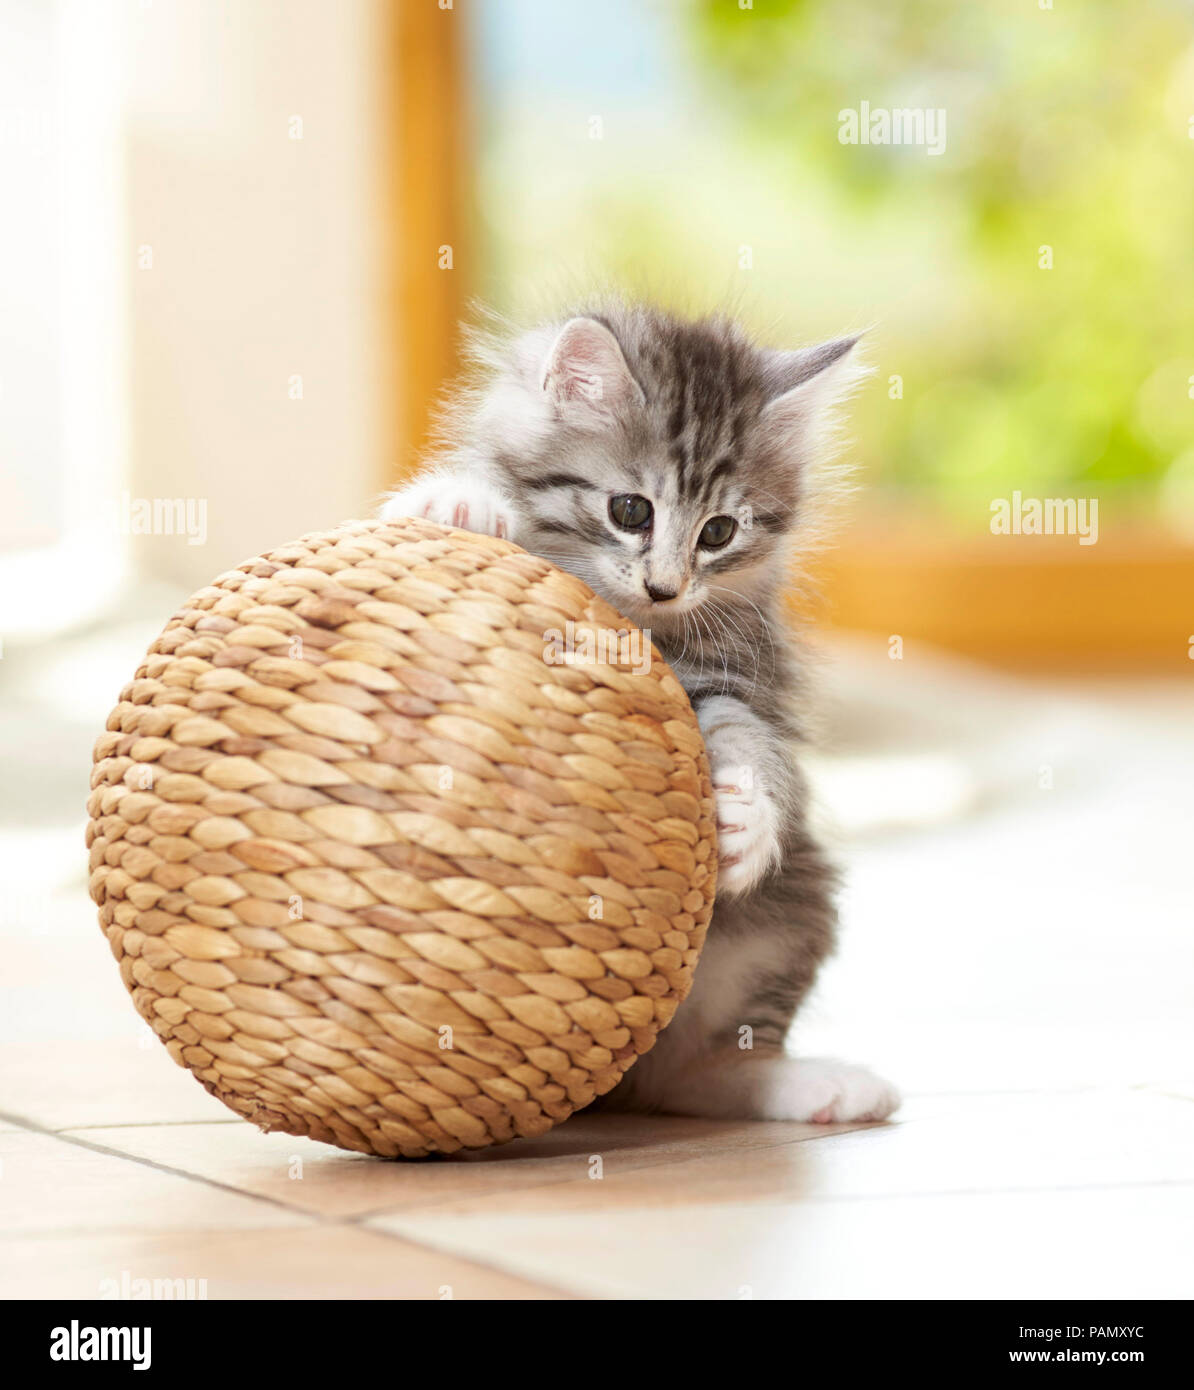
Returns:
(239, 236)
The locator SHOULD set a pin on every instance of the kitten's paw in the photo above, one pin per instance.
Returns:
(452, 501)
(825, 1092)
(747, 837)
(748, 819)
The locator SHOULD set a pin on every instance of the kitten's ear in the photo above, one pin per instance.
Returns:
(805, 386)
(585, 371)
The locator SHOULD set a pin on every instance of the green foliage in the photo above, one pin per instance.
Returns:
(1069, 128)
(715, 175)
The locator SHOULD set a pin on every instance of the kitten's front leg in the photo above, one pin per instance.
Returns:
(747, 762)
(453, 499)
(721, 1056)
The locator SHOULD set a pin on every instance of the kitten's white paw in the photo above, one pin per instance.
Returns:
(824, 1091)
(737, 1086)
(469, 505)
(747, 818)
(747, 837)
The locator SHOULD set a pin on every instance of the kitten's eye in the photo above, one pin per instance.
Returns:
(630, 511)
(716, 532)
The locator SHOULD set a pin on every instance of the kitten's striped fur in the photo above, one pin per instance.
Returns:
(625, 399)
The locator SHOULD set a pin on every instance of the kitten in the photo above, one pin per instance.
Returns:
(665, 462)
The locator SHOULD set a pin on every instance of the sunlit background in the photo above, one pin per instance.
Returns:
(239, 237)
(236, 241)
(694, 149)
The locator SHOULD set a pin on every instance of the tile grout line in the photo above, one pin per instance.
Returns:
(485, 1264)
(356, 1218)
(828, 1197)
(315, 1219)
(506, 1271)
(359, 1220)
(832, 1131)
(90, 1144)
(142, 1124)
(424, 1247)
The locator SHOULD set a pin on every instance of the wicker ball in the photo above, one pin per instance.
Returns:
(379, 872)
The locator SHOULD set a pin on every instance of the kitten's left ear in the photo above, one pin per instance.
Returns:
(805, 386)
(586, 373)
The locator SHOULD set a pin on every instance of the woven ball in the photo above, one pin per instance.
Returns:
(377, 870)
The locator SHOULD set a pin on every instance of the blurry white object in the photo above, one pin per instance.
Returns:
(195, 309)
(932, 738)
(868, 793)
(62, 310)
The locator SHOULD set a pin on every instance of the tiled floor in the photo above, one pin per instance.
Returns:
(1017, 957)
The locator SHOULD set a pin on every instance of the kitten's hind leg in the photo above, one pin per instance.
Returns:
(734, 1086)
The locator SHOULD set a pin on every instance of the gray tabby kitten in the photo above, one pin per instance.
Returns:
(665, 463)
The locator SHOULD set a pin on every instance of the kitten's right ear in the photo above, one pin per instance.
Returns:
(586, 373)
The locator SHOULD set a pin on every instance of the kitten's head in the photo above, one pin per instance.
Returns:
(663, 461)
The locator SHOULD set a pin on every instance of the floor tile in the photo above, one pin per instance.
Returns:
(307, 1263)
(1037, 1140)
(325, 1180)
(129, 1079)
(938, 1145)
(1046, 1151)
(1114, 1243)
(51, 1185)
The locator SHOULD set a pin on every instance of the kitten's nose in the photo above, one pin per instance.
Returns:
(660, 595)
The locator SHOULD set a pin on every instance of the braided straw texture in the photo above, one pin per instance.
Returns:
(377, 872)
